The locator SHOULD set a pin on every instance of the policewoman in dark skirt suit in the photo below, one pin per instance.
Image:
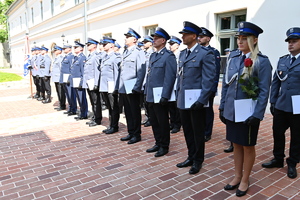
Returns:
(244, 134)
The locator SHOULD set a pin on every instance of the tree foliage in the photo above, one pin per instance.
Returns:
(4, 5)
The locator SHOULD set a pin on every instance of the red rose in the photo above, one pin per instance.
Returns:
(248, 62)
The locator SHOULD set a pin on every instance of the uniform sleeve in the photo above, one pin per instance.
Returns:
(170, 76)
(96, 70)
(218, 67)
(48, 65)
(275, 87)
(224, 87)
(117, 63)
(140, 71)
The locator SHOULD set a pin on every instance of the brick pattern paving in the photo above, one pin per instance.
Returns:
(46, 155)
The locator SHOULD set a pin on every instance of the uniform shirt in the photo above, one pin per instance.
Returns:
(44, 65)
(91, 69)
(56, 68)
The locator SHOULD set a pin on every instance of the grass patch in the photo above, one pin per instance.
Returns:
(6, 77)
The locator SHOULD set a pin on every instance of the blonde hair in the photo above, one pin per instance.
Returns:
(254, 51)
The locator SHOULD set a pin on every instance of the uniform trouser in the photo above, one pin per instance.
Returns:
(37, 85)
(112, 103)
(281, 122)
(60, 94)
(71, 97)
(193, 124)
(81, 97)
(209, 122)
(159, 120)
(96, 105)
(132, 113)
(45, 85)
(175, 121)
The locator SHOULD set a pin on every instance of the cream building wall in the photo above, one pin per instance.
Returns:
(116, 16)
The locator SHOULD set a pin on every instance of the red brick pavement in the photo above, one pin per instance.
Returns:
(46, 155)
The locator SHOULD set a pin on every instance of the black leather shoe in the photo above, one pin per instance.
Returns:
(134, 139)
(40, 98)
(61, 108)
(195, 168)
(126, 138)
(104, 131)
(292, 172)
(89, 122)
(147, 124)
(153, 149)
(71, 113)
(48, 100)
(207, 138)
(185, 163)
(80, 118)
(273, 163)
(229, 150)
(67, 112)
(111, 131)
(240, 193)
(161, 152)
(175, 130)
(231, 187)
(93, 124)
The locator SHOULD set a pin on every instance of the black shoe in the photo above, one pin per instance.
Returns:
(231, 187)
(147, 124)
(207, 138)
(36, 96)
(175, 130)
(273, 163)
(153, 149)
(134, 139)
(104, 131)
(161, 152)
(229, 150)
(56, 108)
(195, 168)
(72, 113)
(93, 123)
(80, 118)
(61, 108)
(111, 131)
(48, 100)
(185, 163)
(67, 112)
(89, 122)
(292, 172)
(40, 98)
(126, 138)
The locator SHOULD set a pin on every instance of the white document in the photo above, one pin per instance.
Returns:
(65, 77)
(76, 82)
(110, 86)
(157, 94)
(296, 104)
(191, 96)
(243, 108)
(91, 83)
(129, 84)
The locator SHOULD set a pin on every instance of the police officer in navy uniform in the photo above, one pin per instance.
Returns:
(285, 85)
(132, 67)
(35, 51)
(45, 75)
(77, 71)
(55, 75)
(109, 77)
(204, 39)
(196, 71)
(175, 122)
(161, 73)
(117, 48)
(91, 75)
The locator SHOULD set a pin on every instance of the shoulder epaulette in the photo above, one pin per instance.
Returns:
(206, 49)
(183, 50)
(262, 55)
(284, 56)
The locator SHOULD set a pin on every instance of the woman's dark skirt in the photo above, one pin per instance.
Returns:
(241, 133)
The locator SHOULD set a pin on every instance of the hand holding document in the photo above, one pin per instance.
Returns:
(91, 83)
(191, 96)
(129, 84)
(111, 86)
(296, 104)
(76, 82)
(243, 108)
(157, 94)
(65, 77)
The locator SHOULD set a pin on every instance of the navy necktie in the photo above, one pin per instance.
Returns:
(293, 59)
(188, 53)
(243, 59)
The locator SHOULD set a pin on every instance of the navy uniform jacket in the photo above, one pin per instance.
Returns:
(147, 56)
(109, 70)
(55, 74)
(231, 90)
(33, 64)
(132, 66)
(289, 85)
(197, 71)
(77, 68)
(66, 66)
(91, 69)
(161, 73)
(218, 67)
(44, 65)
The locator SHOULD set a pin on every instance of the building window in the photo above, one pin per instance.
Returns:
(32, 16)
(52, 7)
(42, 13)
(76, 2)
(227, 28)
(148, 30)
(108, 35)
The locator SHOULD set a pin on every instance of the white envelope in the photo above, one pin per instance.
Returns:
(243, 108)
(65, 77)
(129, 84)
(76, 82)
(110, 86)
(157, 94)
(191, 96)
(296, 104)
(91, 83)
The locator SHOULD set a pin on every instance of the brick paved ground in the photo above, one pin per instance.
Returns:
(46, 155)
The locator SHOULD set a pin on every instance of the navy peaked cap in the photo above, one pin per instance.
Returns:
(175, 39)
(78, 44)
(160, 32)
(44, 48)
(132, 33)
(92, 41)
(248, 28)
(108, 40)
(57, 48)
(148, 38)
(206, 32)
(67, 46)
(293, 33)
(189, 27)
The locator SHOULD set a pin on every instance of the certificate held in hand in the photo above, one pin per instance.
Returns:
(191, 96)
(129, 84)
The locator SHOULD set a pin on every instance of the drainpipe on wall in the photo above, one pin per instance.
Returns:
(85, 25)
